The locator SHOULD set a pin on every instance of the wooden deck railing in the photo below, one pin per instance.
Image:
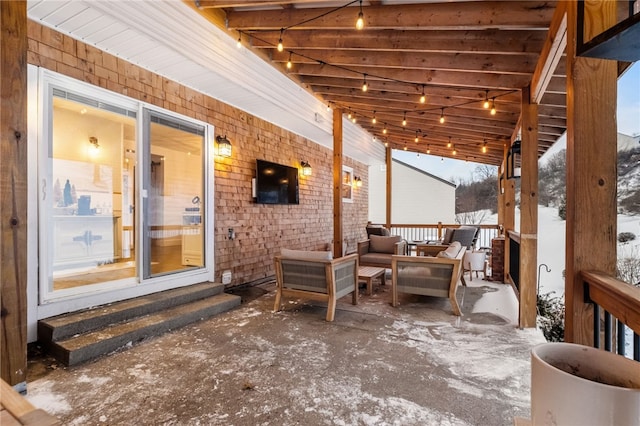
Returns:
(620, 303)
(435, 231)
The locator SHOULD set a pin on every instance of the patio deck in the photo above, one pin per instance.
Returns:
(374, 365)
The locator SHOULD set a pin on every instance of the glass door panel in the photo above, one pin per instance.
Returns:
(174, 182)
(83, 211)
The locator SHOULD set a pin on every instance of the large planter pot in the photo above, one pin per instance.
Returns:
(579, 385)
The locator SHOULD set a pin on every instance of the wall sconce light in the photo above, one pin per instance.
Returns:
(513, 157)
(306, 168)
(94, 141)
(224, 146)
(357, 182)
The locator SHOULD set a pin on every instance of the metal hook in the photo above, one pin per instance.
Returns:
(548, 270)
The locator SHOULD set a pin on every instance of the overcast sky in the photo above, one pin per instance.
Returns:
(628, 123)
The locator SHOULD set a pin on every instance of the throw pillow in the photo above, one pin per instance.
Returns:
(305, 254)
(448, 234)
(380, 244)
(451, 252)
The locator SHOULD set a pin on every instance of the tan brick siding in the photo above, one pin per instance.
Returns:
(261, 230)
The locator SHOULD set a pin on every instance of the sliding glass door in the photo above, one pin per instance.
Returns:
(173, 205)
(121, 194)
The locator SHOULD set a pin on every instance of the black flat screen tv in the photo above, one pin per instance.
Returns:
(276, 184)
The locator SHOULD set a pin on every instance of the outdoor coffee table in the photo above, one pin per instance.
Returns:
(368, 274)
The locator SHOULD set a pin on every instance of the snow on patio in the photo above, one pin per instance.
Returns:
(374, 365)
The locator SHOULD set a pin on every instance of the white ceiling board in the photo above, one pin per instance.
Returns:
(171, 39)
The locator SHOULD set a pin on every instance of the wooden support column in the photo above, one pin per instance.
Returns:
(591, 166)
(509, 213)
(337, 182)
(13, 190)
(528, 212)
(389, 161)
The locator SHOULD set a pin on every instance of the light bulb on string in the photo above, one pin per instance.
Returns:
(365, 86)
(423, 96)
(289, 63)
(484, 147)
(360, 20)
(428, 149)
(280, 45)
(373, 120)
(493, 106)
(442, 116)
(416, 139)
(349, 115)
(404, 119)
(353, 119)
(384, 130)
(485, 105)
(454, 150)
(239, 43)
(449, 143)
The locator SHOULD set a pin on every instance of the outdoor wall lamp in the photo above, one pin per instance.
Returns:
(357, 182)
(306, 168)
(94, 142)
(224, 146)
(513, 157)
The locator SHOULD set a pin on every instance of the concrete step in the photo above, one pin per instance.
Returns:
(80, 348)
(64, 326)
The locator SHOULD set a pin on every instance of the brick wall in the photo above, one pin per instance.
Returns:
(261, 230)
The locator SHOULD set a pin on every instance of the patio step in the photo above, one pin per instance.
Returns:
(80, 336)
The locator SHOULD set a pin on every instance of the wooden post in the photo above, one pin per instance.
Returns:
(591, 166)
(389, 161)
(337, 182)
(528, 212)
(509, 214)
(13, 190)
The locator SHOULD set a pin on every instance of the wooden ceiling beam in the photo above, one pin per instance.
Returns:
(508, 42)
(434, 16)
(468, 62)
(412, 101)
(442, 78)
(385, 86)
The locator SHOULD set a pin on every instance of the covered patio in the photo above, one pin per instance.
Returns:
(190, 67)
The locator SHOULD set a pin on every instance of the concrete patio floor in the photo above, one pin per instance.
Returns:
(374, 365)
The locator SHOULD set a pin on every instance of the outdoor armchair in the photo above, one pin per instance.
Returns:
(316, 276)
(429, 276)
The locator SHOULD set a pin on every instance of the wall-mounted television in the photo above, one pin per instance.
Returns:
(276, 183)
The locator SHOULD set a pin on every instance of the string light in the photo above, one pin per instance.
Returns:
(365, 86)
(493, 106)
(328, 107)
(353, 119)
(289, 64)
(384, 130)
(423, 97)
(386, 144)
(484, 147)
(360, 20)
(280, 45)
(404, 119)
(454, 150)
(442, 116)
(428, 149)
(349, 115)
(442, 159)
(405, 146)
(449, 143)
(416, 139)
(239, 44)
(373, 120)
(485, 105)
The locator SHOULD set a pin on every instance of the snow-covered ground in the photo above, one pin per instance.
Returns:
(551, 245)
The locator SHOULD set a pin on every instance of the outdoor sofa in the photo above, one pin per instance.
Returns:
(377, 250)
